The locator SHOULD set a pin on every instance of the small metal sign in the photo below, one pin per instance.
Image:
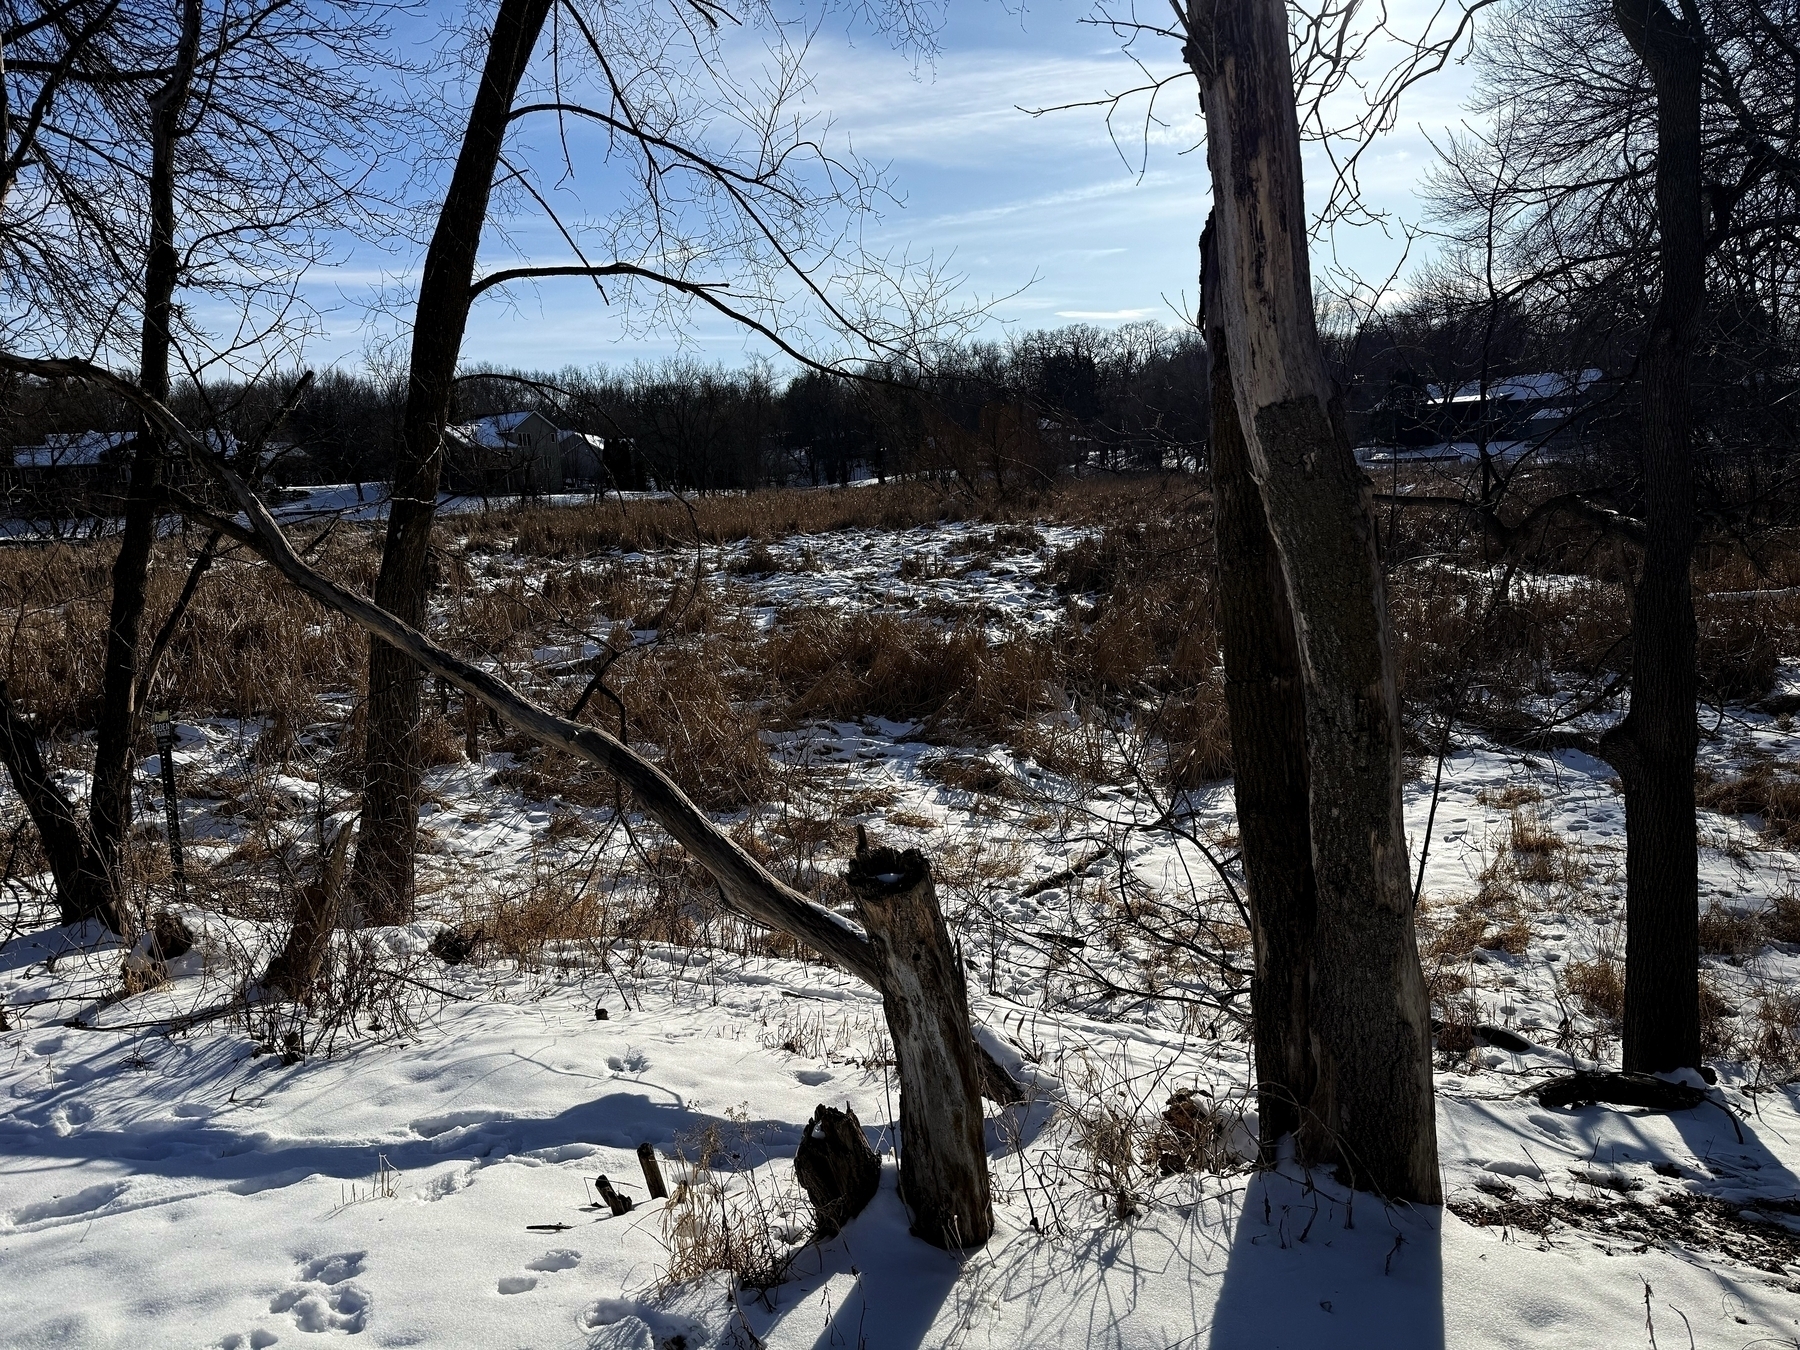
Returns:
(164, 728)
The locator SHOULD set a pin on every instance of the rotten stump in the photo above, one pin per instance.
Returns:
(943, 1159)
(836, 1167)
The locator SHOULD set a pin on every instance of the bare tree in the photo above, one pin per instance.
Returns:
(1643, 150)
(1369, 1017)
(208, 156)
(736, 204)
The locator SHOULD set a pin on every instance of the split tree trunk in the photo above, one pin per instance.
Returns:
(1653, 748)
(943, 1160)
(1370, 1017)
(1266, 707)
(382, 878)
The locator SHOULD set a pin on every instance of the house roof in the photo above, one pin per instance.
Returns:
(71, 449)
(490, 433)
(1544, 384)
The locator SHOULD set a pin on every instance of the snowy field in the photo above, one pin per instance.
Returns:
(424, 1176)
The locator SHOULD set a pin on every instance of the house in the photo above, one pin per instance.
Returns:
(70, 473)
(607, 463)
(516, 452)
(1515, 414)
(583, 458)
(1527, 407)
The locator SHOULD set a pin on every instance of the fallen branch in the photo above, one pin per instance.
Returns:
(1618, 1089)
(745, 882)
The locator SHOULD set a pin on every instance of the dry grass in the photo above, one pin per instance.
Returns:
(1598, 985)
(1766, 789)
(251, 645)
(725, 1216)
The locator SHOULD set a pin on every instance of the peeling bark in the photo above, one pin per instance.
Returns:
(1369, 1014)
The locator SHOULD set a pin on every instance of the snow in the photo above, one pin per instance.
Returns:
(75, 449)
(432, 1183)
(1523, 388)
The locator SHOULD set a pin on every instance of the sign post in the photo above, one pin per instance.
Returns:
(164, 728)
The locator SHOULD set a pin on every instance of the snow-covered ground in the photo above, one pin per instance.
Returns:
(429, 1179)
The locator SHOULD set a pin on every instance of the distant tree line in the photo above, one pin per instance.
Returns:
(989, 413)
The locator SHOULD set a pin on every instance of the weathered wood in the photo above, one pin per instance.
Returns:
(943, 1163)
(653, 1177)
(618, 1204)
(1369, 1013)
(836, 1167)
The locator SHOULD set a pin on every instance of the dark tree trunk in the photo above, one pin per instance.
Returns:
(382, 879)
(943, 1158)
(1369, 1014)
(109, 802)
(80, 892)
(1653, 748)
(836, 1167)
(1267, 710)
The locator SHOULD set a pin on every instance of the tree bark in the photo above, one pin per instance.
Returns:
(1653, 748)
(1370, 1017)
(295, 969)
(837, 1169)
(109, 801)
(381, 888)
(1266, 707)
(80, 894)
(943, 1158)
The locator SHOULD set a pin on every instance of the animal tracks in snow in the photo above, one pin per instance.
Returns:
(556, 1259)
(84, 1201)
(326, 1297)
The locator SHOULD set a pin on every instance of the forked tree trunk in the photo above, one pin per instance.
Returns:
(1370, 1017)
(1653, 748)
(1267, 710)
(382, 878)
(943, 1159)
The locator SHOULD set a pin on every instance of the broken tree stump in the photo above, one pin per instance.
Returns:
(653, 1177)
(836, 1167)
(943, 1161)
(618, 1204)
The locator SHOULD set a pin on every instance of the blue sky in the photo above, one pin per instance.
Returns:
(1094, 229)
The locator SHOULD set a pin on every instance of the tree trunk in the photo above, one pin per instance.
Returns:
(295, 969)
(943, 1160)
(1653, 748)
(382, 879)
(1370, 1017)
(80, 894)
(1267, 710)
(109, 802)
